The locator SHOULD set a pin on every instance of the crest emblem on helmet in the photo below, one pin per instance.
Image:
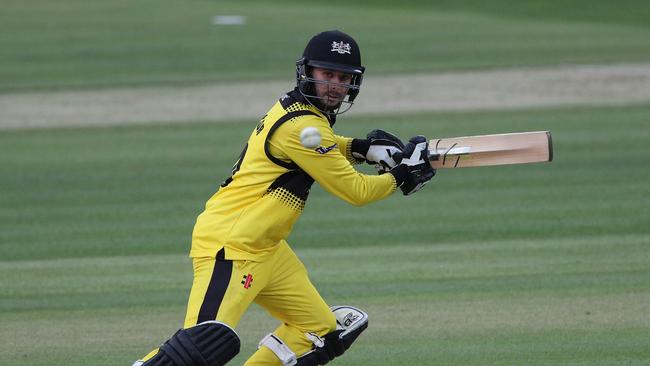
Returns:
(341, 47)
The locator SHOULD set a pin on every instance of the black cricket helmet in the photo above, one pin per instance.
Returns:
(331, 50)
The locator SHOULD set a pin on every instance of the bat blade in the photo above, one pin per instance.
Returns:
(486, 150)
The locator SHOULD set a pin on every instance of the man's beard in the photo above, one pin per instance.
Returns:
(326, 101)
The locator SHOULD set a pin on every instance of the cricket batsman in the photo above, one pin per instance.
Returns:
(239, 250)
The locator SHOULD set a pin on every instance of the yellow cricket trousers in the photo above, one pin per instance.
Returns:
(223, 290)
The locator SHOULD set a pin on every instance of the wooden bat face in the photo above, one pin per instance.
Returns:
(486, 150)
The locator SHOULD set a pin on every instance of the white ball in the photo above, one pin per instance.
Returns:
(310, 137)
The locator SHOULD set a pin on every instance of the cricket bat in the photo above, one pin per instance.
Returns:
(485, 150)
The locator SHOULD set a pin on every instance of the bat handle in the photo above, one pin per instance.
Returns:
(434, 156)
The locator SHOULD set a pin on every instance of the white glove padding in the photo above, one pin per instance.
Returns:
(382, 157)
(415, 154)
(416, 159)
(379, 149)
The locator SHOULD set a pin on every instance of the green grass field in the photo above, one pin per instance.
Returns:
(77, 43)
(545, 264)
(540, 264)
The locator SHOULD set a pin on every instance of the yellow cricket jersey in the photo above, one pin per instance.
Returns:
(256, 208)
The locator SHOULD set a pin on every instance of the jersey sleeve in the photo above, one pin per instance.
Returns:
(345, 148)
(328, 165)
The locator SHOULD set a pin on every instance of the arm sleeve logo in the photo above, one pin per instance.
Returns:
(325, 150)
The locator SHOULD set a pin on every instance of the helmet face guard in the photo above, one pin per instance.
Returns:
(307, 85)
(330, 50)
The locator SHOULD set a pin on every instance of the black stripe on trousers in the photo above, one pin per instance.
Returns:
(216, 289)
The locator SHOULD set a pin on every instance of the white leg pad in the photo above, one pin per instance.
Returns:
(349, 319)
(281, 350)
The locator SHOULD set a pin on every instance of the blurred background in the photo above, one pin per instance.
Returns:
(119, 119)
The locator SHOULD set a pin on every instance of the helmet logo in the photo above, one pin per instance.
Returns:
(340, 47)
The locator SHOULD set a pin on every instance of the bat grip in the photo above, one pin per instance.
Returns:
(434, 157)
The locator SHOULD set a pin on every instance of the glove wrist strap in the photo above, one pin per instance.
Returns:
(360, 146)
(400, 173)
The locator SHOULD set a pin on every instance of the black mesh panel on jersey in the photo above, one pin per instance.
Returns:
(292, 188)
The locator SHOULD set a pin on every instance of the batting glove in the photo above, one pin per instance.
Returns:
(414, 170)
(378, 149)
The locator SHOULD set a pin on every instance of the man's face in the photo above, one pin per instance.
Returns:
(331, 94)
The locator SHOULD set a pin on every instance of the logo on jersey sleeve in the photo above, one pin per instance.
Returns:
(325, 150)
